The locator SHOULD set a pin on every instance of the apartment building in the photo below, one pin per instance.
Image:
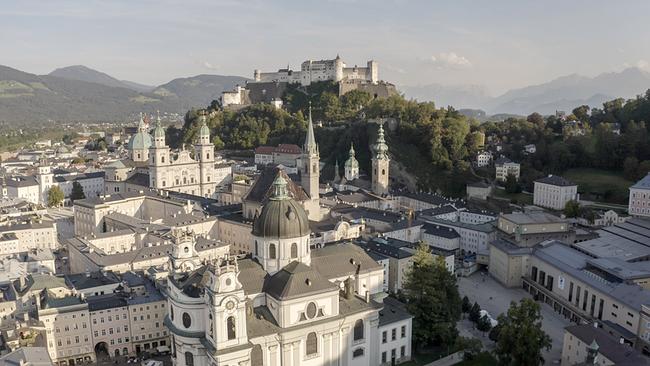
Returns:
(554, 192)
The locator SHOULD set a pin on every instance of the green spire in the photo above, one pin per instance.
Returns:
(159, 131)
(310, 146)
(381, 149)
(280, 189)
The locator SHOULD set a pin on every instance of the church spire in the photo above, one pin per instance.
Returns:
(310, 146)
(381, 148)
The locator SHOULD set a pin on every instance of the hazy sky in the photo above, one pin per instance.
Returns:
(499, 44)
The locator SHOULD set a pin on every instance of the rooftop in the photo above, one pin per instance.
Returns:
(608, 346)
(555, 180)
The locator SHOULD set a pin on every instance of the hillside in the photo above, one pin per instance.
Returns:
(83, 73)
(198, 90)
(26, 97)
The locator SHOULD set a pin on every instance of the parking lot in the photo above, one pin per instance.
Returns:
(495, 298)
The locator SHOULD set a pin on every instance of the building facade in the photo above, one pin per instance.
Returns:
(554, 192)
(639, 201)
(323, 70)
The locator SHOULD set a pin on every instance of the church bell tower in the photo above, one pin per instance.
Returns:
(380, 164)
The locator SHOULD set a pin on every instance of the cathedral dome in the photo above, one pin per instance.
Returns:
(140, 141)
(281, 217)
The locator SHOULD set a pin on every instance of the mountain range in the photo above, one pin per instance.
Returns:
(563, 93)
(78, 93)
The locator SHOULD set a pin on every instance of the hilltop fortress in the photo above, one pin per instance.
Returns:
(323, 70)
(269, 87)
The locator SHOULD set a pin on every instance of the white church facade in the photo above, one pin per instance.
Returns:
(287, 305)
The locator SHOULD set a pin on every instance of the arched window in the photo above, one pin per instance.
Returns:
(383, 172)
(294, 250)
(230, 323)
(358, 330)
(311, 346)
(257, 249)
(162, 158)
(207, 156)
(257, 358)
(357, 353)
(211, 325)
(272, 251)
(189, 359)
(187, 320)
(171, 312)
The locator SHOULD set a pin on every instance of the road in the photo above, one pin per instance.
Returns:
(495, 298)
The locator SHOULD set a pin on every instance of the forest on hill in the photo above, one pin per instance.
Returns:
(436, 145)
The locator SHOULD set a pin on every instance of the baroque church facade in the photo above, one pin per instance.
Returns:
(151, 163)
(287, 305)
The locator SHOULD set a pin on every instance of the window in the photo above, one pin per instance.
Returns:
(171, 312)
(187, 320)
(402, 352)
(383, 337)
(393, 334)
(272, 251)
(257, 252)
(403, 331)
(383, 357)
(357, 353)
(189, 359)
(294, 250)
(358, 330)
(311, 347)
(230, 323)
(311, 310)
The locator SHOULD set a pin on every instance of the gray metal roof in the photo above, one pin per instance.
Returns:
(555, 180)
(295, 280)
(608, 346)
(643, 183)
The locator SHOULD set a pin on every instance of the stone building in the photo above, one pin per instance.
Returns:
(323, 70)
(380, 165)
(554, 192)
(639, 202)
(288, 305)
(504, 167)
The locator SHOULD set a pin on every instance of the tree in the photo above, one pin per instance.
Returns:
(521, 338)
(432, 298)
(494, 333)
(630, 168)
(77, 192)
(475, 312)
(484, 324)
(466, 305)
(644, 168)
(512, 185)
(572, 209)
(55, 196)
(536, 119)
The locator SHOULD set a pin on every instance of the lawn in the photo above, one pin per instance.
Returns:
(600, 185)
(519, 198)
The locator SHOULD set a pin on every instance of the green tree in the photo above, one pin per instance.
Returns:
(630, 168)
(432, 298)
(521, 338)
(466, 305)
(494, 333)
(572, 209)
(644, 169)
(512, 185)
(536, 119)
(475, 313)
(484, 324)
(55, 196)
(77, 192)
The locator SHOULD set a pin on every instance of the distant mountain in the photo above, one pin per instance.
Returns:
(458, 96)
(198, 90)
(563, 93)
(64, 96)
(568, 92)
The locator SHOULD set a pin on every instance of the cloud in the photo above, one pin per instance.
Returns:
(210, 66)
(643, 65)
(450, 60)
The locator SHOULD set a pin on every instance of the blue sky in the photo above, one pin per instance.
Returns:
(499, 44)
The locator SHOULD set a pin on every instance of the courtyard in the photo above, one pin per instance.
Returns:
(495, 298)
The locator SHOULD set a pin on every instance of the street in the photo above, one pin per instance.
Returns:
(495, 298)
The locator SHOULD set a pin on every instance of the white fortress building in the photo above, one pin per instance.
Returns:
(323, 70)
